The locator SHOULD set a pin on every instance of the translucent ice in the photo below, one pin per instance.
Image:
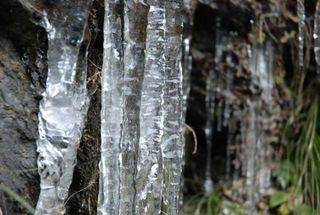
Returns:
(64, 105)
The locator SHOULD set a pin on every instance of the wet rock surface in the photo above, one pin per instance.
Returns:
(18, 125)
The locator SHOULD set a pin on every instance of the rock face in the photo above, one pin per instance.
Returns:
(18, 125)
(20, 87)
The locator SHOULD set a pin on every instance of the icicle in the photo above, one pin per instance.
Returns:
(231, 146)
(111, 111)
(227, 96)
(172, 143)
(301, 28)
(149, 164)
(189, 9)
(251, 143)
(221, 42)
(214, 89)
(269, 82)
(135, 30)
(210, 106)
(266, 83)
(236, 142)
(258, 149)
(261, 67)
(316, 35)
(64, 104)
(187, 69)
(264, 171)
(243, 146)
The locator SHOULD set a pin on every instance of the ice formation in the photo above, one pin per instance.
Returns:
(111, 111)
(64, 105)
(142, 116)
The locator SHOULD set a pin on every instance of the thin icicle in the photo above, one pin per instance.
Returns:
(213, 90)
(111, 111)
(172, 142)
(236, 142)
(267, 91)
(135, 29)
(227, 96)
(221, 42)
(263, 160)
(301, 30)
(316, 35)
(64, 105)
(189, 9)
(231, 146)
(187, 69)
(210, 106)
(148, 176)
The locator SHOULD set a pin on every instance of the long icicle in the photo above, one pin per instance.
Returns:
(149, 169)
(64, 105)
(265, 115)
(188, 12)
(250, 154)
(135, 27)
(172, 144)
(210, 106)
(111, 111)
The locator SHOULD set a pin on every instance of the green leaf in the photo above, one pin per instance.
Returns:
(232, 208)
(305, 210)
(278, 198)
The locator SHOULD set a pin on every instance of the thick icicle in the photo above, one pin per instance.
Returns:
(149, 165)
(135, 27)
(262, 68)
(250, 156)
(260, 65)
(257, 145)
(266, 106)
(172, 143)
(111, 112)
(301, 30)
(64, 104)
(316, 35)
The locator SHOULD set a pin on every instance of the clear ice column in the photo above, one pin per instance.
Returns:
(172, 143)
(135, 30)
(64, 105)
(149, 161)
(111, 110)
